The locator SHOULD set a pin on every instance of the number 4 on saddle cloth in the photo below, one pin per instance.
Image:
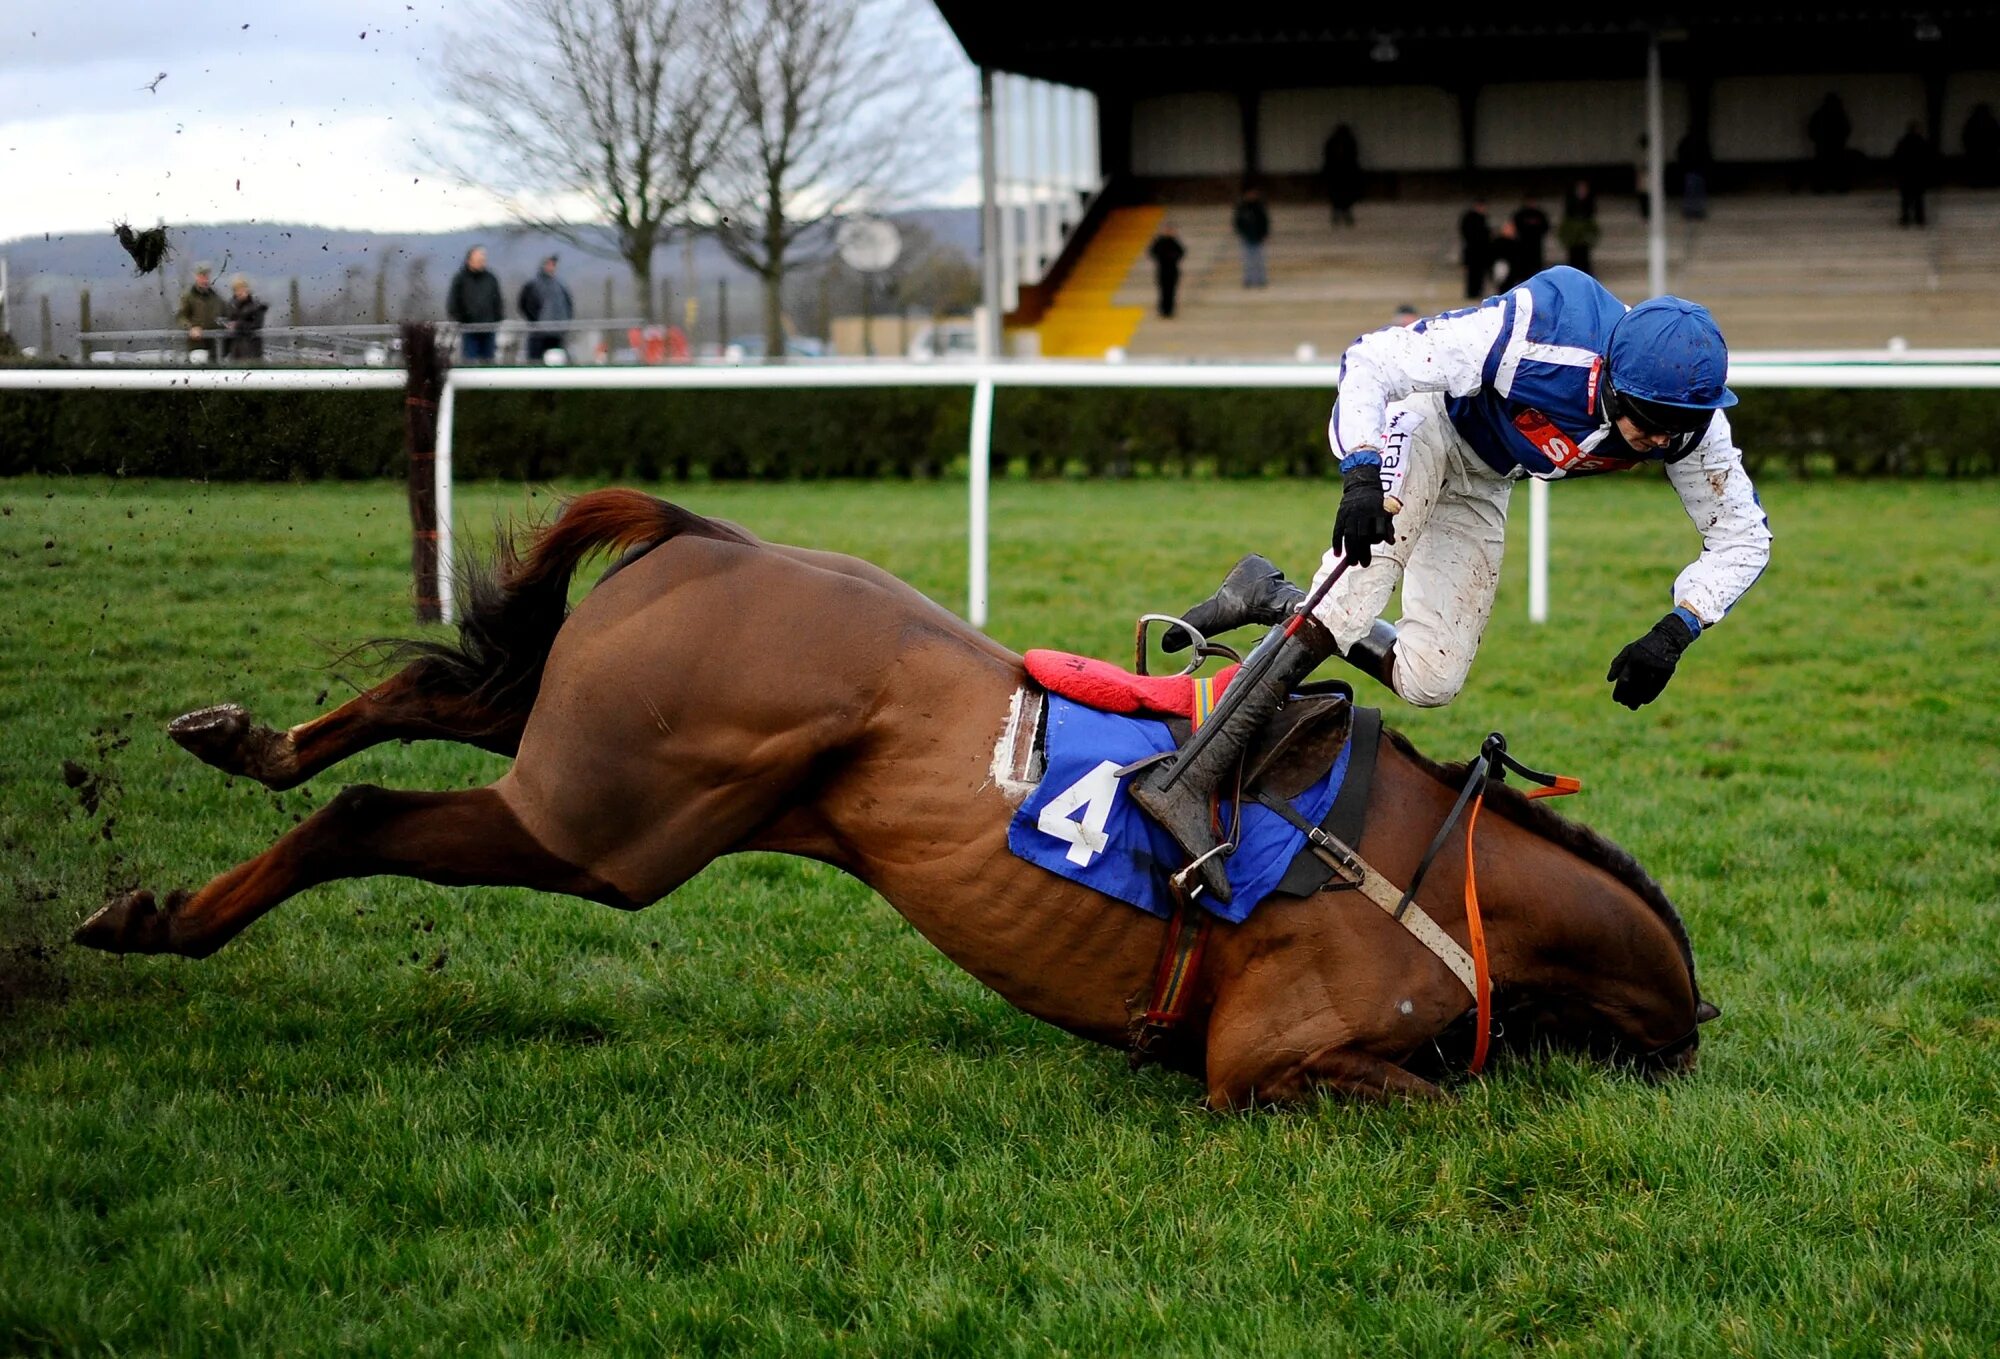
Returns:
(1082, 823)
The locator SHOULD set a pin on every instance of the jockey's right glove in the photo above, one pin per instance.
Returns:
(1362, 520)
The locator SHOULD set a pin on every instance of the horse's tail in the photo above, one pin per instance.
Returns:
(513, 606)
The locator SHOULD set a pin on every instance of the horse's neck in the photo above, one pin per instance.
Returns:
(1573, 929)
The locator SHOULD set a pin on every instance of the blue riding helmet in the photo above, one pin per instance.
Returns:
(1668, 353)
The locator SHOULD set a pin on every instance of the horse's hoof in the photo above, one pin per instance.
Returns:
(212, 735)
(131, 923)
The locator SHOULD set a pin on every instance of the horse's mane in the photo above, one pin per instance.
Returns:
(1578, 839)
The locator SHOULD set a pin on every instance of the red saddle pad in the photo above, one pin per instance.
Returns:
(1103, 686)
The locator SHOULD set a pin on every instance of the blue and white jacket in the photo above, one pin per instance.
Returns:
(1521, 374)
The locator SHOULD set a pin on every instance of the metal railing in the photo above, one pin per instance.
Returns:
(615, 340)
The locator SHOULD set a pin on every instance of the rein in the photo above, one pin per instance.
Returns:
(1493, 762)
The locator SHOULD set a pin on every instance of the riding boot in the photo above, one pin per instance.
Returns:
(1374, 655)
(1180, 793)
(1254, 591)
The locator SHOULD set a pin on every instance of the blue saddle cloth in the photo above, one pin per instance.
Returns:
(1082, 823)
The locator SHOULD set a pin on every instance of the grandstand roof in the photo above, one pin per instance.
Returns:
(1169, 47)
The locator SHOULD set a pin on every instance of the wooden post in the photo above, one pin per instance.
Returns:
(425, 365)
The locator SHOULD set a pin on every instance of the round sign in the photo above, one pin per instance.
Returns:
(868, 244)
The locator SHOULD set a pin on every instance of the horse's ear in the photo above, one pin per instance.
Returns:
(1703, 1012)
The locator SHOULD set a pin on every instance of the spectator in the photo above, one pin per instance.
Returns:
(1506, 256)
(1340, 167)
(1253, 226)
(245, 319)
(1475, 239)
(1579, 231)
(1828, 129)
(200, 310)
(1531, 226)
(1642, 177)
(474, 300)
(1696, 163)
(1167, 251)
(1915, 163)
(544, 298)
(1982, 146)
(1406, 315)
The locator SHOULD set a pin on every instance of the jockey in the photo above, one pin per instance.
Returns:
(1434, 424)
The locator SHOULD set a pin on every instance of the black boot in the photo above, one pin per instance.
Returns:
(1254, 591)
(1375, 654)
(1180, 793)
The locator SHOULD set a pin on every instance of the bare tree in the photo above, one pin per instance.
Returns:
(830, 98)
(592, 113)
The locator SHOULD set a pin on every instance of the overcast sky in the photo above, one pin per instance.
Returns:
(308, 111)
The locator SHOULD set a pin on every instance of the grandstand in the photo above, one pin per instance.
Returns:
(1460, 103)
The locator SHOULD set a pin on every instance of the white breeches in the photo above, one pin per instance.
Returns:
(1450, 535)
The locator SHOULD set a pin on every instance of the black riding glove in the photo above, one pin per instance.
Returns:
(1362, 520)
(1642, 669)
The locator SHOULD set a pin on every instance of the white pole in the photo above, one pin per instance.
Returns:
(982, 463)
(989, 222)
(1052, 200)
(1656, 174)
(1010, 265)
(441, 484)
(1538, 550)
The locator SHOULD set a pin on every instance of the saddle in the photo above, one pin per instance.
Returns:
(1292, 753)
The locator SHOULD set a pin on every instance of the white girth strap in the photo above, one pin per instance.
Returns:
(1384, 894)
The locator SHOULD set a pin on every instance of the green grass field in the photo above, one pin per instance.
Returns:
(764, 1117)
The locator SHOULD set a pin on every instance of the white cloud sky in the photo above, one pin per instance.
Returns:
(299, 111)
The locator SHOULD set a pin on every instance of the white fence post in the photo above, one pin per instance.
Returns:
(441, 472)
(979, 477)
(1538, 550)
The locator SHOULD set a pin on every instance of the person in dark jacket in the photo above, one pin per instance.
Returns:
(1531, 227)
(1915, 163)
(1252, 222)
(1167, 252)
(1475, 239)
(545, 299)
(1579, 231)
(474, 300)
(1340, 167)
(200, 312)
(1828, 130)
(1982, 146)
(244, 318)
(1504, 256)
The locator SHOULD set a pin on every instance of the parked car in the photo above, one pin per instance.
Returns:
(955, 339)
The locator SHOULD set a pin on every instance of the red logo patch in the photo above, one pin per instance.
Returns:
(1559, 448)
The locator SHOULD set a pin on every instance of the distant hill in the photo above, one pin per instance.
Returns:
(336, 270)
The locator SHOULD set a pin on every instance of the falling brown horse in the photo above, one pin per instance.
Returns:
(715, 693)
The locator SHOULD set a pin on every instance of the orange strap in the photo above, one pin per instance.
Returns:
(1475, 928)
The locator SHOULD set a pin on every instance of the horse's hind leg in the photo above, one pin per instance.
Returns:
(460, 839)
(408, 706)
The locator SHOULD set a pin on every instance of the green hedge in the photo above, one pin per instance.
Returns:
(903, 432)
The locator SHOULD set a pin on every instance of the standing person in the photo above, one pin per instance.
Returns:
(200, 311)
(474, 300)
(1915, 163)
(1475, 241)
(1828, 130)
(1252, 223)
(1531, 226)
(1167, 252)
(245, 319)
(1504, 254)
(545, 298)
(1340, 168)
(1433, 425)
(1579, 231)
(1696, 162)
(1982, 146)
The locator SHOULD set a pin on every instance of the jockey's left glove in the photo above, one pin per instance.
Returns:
(1362, 520)
(1643, 668)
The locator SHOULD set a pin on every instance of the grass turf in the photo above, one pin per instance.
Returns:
(766, 1118)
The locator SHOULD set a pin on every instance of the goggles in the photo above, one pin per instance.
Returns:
(1683, 424)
